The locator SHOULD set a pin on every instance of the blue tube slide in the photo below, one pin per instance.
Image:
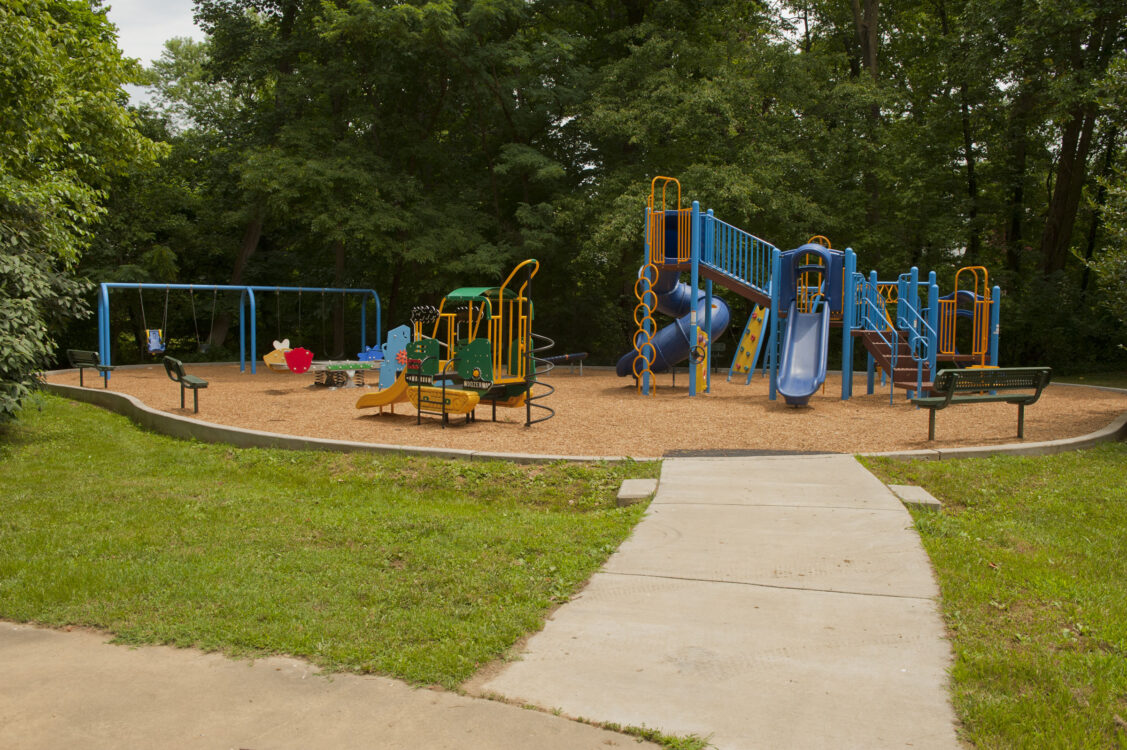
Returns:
(673, 342)
(802, 369)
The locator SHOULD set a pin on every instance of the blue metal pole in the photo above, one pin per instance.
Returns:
(242, 332)
(872, 293)
(848, 304)
(709, 239)
(379, 329)
(773, 342)
(647, 251)
(708, 328)
(995, 323)
(253, 332)
(694, 275)
(914, 296)
(709, 251)
(104, 325)
(933, 322)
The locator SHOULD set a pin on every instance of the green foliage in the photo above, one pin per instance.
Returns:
(1111, 264)
(416, 568)
(35, 297)
(415, 148)
(65, 133)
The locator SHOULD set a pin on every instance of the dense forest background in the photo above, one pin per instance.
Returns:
(419, 146)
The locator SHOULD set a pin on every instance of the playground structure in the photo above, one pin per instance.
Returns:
(156, 338)
(799, 295)
(477, 346)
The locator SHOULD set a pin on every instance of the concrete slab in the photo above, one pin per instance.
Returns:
(763, 602)
(828, 549)
(826, 481)
(916, 497)
(635, 491)
(75, 690)
(751, 667)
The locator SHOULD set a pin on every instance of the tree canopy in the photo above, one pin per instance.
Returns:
(66, 132)
(414, 147)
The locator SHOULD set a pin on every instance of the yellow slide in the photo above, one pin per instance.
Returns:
(458, 401)
(394, 394)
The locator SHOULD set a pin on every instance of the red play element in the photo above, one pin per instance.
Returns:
(401, 356)
(299, 359)
(414, 364)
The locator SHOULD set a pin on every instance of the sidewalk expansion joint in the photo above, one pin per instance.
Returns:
(658, 501)
(769, 586)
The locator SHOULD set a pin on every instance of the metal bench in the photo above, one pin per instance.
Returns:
(175, 370)
(985, 386)
(83, 360)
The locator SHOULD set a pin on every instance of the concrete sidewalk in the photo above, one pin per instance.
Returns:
(775, 602)
(74, 690)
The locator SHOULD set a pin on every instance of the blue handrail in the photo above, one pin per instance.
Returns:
(872, 315)
(738, 254)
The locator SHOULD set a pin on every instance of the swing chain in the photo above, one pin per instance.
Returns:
(195, 325)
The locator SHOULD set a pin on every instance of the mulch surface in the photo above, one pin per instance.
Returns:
(600, 414)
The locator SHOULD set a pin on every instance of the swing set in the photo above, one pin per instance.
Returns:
(156, 339)
(155, 342)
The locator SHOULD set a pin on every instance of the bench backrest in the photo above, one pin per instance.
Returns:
(80, 357)
(991, 379)
(174, 368)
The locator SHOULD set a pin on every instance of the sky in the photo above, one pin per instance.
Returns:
(143, 26)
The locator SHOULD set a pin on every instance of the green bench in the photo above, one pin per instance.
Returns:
(84, 360)
(175, 370)
(1011, 385)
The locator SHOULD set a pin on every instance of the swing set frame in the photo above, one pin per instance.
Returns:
(246, 304)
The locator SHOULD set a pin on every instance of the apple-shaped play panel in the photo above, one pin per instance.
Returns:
(299, 359)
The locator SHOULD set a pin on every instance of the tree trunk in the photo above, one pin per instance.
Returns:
(251, 236)
(1097, 209)
(392, 310)
(338, 306)
(974, 240)
(1076, 142)
(1019, 144)
(865, 21)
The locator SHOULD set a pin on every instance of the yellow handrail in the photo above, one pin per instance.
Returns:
(519, 322)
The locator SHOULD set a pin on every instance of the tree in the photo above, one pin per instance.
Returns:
(66, 130)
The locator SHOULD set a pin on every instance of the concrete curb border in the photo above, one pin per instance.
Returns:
(187, 428)
(177, 426)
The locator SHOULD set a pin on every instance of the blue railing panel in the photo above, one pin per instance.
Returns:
(739, 254)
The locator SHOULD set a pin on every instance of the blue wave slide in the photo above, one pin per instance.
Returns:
(802, 368)
(672, 343)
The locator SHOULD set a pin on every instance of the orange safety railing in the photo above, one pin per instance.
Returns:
(643, 337)
(656, 229)
(980, 315)
(808, 291)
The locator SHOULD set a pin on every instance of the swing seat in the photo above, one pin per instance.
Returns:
(154, 340)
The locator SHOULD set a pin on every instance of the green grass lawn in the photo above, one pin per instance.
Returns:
(1031, 557)
(1108, 379)
(416, 568)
